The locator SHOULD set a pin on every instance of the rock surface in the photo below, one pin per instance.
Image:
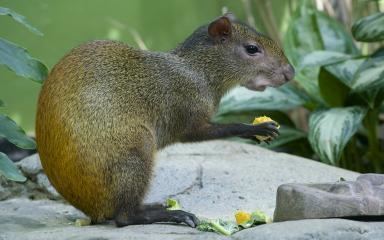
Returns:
(365, 196)
(211, 179)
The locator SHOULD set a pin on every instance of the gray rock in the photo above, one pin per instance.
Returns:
(214, 179)
(30, 165)
(365, 196)
(37, 185)
(4, 193)
(43, 182)
(45, 219)
(211, 179)
(315, 229)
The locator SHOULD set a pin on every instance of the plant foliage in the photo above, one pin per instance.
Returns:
(341, 89)
(19, 61)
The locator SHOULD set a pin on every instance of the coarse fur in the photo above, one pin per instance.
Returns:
(106, 108)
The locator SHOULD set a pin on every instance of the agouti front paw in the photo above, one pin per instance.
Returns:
(190, 219)
(263, 132)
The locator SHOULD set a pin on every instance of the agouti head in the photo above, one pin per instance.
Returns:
(240, 55)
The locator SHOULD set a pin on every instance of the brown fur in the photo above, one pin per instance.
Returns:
(106, 109)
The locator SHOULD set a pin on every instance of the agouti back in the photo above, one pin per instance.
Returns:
(106, 108)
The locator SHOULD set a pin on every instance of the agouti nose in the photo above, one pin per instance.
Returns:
(289, 72)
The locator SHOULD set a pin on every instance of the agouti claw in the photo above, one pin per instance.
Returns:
(187, 218)
(264, 131)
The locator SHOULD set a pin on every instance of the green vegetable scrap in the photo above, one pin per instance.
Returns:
(172, 204)
(226, 228)
(243, 220)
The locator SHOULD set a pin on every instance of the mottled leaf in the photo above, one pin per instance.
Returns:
(309, 31)
(242, 99)
(370, 75)
(345, 71)
(14, 134)
(330, 131)
(322, 58)
(369, 29)
(9, 170)
(18, 60)
(19, 18)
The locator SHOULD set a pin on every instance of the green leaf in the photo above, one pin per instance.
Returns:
(332, 90)
(18, 60)
(9, 170)
(241, 99)
(334, 36)
(309, 31)
(14, 134)
(370, 75)
(330, 131)
(369, 29)
(321, 58)
(226, 228)
(345, 71)
(1, 103)
(19, 18)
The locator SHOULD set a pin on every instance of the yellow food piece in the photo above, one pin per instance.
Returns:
(242, 217)
(262, 119)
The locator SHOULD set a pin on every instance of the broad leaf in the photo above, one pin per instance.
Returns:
(14, 134)
(330, 131)
(9, 170)
(369, 29)
(19, 18)
(300, 40)
(345, 71)
(332, 90)
(1, 103)
(241, 99)
(321, 58)
(311, 30)
(370, 76)
(18, 60)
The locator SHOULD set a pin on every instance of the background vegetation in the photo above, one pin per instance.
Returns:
(323, 114)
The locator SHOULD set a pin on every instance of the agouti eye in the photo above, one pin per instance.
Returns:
(252, 49)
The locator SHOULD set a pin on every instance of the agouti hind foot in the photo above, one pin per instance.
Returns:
(156, 213)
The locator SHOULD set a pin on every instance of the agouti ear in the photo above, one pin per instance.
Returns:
(220, 29)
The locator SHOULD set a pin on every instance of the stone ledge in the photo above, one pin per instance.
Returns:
(211, 179)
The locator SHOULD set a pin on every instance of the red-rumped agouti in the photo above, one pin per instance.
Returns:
(107, 108)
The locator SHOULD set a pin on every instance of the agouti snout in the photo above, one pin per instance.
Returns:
(106, 108)
(259, 61)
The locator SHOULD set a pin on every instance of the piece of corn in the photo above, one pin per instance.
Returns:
(262, 119)
(242, 217)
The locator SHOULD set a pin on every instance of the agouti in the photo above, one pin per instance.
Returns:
(107, 108)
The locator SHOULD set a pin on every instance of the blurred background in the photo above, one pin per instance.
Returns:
(314, 34)
(159, 25)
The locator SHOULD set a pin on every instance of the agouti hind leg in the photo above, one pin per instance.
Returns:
(148, 214)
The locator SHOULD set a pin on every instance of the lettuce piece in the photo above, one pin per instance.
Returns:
(226, 228)
(172, 204)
